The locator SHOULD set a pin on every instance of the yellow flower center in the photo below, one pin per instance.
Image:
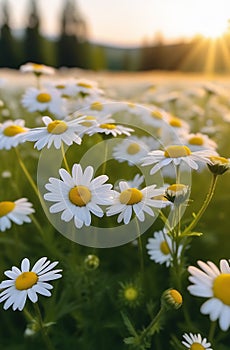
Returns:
(85, 85)
(89, 121)
(6, 207)
(176, 188)
(177, 297)
(108, 126)
(57, 127)
(133, 148)
(80, 195)
(60, 86)
(164, 247)
(197, 346)
(96, 106)
(131, 196)
(219, 160)
(43, 97)
(221, 288)
(130, 293)
(26, 280)
(156, 115)
(196, 140)
(131, 105)
(175, 122)
(37, 66)
(13, 130)
(176, 151)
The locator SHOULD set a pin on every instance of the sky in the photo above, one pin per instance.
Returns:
(132, 22)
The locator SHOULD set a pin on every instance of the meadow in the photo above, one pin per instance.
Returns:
(143, 195)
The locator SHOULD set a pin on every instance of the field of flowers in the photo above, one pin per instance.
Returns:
(114, 208)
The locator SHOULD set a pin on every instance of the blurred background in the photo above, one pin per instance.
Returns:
(132, 35)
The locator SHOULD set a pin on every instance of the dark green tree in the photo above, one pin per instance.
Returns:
(72, 44)
(7, 41)
(33, 40)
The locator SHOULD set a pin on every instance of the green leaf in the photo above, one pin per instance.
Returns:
(128, 324)
(197, 234)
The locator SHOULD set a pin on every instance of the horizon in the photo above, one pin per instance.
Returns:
(130, 23)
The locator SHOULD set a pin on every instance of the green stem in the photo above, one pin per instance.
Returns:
(64, 158)
(212, 331)
(204, 206)
(140, 248)
(26, 172)
(152, 323)
(45, 337)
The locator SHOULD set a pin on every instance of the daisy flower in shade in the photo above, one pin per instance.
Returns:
(131, 149)
(16, 212)
(160, 248)
(86, 87)
(195, 342)
(155, 117)
(213, 283)
(107, 126)
(12, 133)
(199, 141)
(78, 195)
(37, 69)
(35, 100)
(177, 154)
(131, 199)
(26, 282)
(56, 132)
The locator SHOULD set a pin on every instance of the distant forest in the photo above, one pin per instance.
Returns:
(73, 48)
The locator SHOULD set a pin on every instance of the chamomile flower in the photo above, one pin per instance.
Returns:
(26, 282)
(195, 342)
(56, 132)
(213, 283)
(35, 100)
(199, 141)
(131, 149)
(12, 133)
(131, 199)
(37, 69)
(78, 195)
(177, 154)
(160, 248)
(16, 212)
(107, 126)
(155, 117)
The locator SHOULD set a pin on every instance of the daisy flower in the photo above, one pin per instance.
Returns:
(213, 283)
(16, 212)
(37, 69)
(55, 132)
(160, 248)
(79, 195)
(106, 126)
(35, 100)
(130, 200)
(195, 342)
(199, 141)
(155, 117)
(11, 133)
(26, 282)
(131, 149)
(177, 154)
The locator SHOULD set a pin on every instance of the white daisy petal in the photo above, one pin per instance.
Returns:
(26, 283)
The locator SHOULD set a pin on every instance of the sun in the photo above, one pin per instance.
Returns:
(214, 29)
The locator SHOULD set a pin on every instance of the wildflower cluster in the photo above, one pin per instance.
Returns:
(109, 173)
